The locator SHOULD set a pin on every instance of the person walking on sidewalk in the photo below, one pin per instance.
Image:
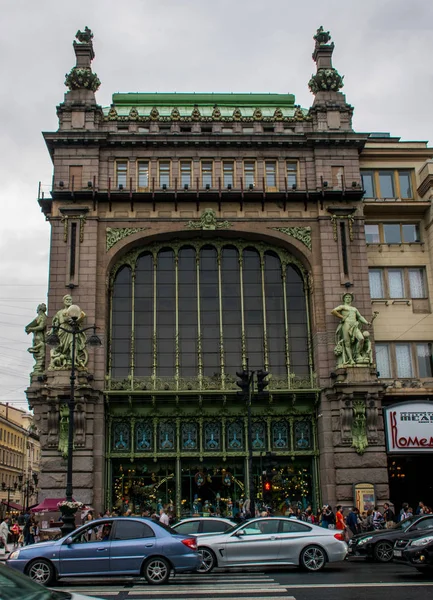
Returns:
(4, 533)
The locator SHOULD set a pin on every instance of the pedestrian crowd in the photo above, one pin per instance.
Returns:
(22, 530)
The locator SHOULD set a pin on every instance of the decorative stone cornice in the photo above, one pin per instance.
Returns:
(116, 234)
(303, 234)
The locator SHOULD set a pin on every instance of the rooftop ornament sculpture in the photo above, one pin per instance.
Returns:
(38, 327)
(322, 36)
(327, 79)
(81, 76)
(84, 37)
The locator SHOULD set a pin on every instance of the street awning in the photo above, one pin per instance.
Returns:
(12, 505)
(49, 504)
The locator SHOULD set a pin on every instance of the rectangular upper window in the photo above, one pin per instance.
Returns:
(207, 173)
(249, 174)
(392, 233)
(404, 360)
(228, 174)
(395, 283)
(271, 174)
(164, 174)
(185, 174)
(143, 174)
(387, 183)
(292, 174)
(121, 174)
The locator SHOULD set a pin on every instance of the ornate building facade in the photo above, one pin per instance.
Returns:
(202, 233)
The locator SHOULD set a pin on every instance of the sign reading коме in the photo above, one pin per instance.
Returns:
(409, 427)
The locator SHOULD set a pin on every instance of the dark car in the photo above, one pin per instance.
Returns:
(379, 544)
(416, 549)
(107, 547)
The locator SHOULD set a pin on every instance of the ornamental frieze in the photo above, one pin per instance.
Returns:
(208, 220)
(116, 234)
(303, 234)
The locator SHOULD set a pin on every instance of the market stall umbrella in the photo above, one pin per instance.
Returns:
(12, 505)
(48, 505)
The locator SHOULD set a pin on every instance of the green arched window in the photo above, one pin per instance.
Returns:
(193, 313)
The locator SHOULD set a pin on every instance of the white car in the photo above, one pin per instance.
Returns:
(272, 541)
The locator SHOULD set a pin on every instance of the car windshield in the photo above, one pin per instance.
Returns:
(15, 586)
(405, 524)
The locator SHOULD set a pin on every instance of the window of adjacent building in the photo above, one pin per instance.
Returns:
(404, 360)
(392, 233)
(387, 183)
(271, 174)
(249, 173)
(185, 173)
(164, 173)
(121, 173)
(424, 359)
(292, 174)
(143, 174)
(398, 283)
(228, 173)
(206, 173)
(337, 174)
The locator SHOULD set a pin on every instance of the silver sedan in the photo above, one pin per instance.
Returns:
(272, 541)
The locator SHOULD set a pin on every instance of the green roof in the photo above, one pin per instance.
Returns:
(183, 99)
(183, 104)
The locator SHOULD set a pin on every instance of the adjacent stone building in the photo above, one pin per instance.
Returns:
(204, 233)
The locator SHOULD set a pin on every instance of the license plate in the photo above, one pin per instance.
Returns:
(398, 553)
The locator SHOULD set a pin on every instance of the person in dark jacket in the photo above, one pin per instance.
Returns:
(352, 521)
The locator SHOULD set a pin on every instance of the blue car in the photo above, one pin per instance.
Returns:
(110, 547)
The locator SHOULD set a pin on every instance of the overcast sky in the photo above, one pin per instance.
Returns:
(384, 49)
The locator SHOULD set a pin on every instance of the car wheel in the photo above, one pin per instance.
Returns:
(312, 558)
(383, 552)
(41, 571)
(156, 571)
(208, 560)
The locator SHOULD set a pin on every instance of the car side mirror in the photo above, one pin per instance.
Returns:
(69, 541)
(240, 532)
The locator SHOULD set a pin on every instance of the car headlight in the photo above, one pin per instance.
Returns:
(14, 554)
(422, 541)
(363, 541)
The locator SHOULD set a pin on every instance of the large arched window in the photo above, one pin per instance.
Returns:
(188, 316)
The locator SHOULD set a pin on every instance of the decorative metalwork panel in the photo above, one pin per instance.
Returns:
(143, 436)
(280, 435)
(303, 437)
(212, 436)
(166, 438)
(121, 437)
(235, 436)
(258, 436)
(189, 436)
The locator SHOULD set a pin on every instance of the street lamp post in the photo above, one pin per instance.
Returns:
(246, 383)
(9, 489)
(27, 488)
(74, 313)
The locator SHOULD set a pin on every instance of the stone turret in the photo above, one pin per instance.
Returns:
(330, 110)
(79, 109)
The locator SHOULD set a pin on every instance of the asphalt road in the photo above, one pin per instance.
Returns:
(354, 579)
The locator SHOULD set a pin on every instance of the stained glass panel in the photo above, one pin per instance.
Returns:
(143, 436)
(235, 437)
(166, 436)
(303, 435)
(212, 436)
(258, 436)
(121, 437)
(189, 436)
(280, 435)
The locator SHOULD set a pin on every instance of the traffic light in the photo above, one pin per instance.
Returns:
(261, 383)
(243, 383)
(267, 490)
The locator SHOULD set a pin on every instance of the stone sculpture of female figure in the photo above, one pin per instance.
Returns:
(37, 327)
(348, 337)
(61, 355)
